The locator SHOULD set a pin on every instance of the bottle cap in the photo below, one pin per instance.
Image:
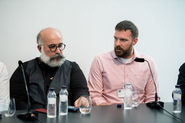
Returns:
(128, 84)
(51, 89)
(63, 86)
(177, 86)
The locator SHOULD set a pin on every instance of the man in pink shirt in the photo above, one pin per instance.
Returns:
(111, 70)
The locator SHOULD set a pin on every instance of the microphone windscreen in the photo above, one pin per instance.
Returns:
(139, 59)
(20, 62)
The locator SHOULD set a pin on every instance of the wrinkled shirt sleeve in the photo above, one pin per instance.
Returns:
(95, 82)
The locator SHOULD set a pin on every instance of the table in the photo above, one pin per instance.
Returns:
(110, 114)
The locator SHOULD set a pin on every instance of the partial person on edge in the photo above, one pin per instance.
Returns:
(181, 81)
(50, 70)
(4, 85)
(111, 70)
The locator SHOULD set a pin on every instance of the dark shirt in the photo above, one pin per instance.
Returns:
(78, 83)
(48, 73)
(181, 81)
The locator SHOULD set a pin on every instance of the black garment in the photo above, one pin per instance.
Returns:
(76, 88)
(181, 81)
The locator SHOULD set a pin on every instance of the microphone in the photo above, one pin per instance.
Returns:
(25, 83)
(156, 104)
(29, 116)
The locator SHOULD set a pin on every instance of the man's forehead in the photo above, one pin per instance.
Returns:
(122, 33)
(51, 35)
(50, 32)
(128, 31)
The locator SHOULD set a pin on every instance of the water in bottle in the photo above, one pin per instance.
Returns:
(128, 96)
(63, 101)
(51, 106)
(177, 104)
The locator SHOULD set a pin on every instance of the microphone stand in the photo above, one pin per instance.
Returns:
(155, 104)
(29, 116)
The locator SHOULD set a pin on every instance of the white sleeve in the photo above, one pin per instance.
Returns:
(4, 84)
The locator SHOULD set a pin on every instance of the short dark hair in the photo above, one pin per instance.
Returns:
(127, 25)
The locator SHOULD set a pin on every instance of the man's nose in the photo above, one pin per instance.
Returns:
(58, 50)
(117, 42)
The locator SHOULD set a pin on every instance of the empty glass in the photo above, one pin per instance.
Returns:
(85, 108)
(11, 109)
(3, 106)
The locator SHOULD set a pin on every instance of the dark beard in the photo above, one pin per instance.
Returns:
(123, 53)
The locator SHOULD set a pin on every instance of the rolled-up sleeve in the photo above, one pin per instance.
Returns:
(78, 84)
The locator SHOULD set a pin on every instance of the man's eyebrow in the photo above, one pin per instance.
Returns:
(123, 39)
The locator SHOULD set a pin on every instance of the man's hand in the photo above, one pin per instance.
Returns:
(81, 101)
(104, 103)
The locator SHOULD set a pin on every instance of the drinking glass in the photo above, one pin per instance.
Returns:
(135, 98)
(3, 106)
(11, 109)
(85, 108)
(128, 90)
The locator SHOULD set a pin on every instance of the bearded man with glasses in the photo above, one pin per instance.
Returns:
(50, 70)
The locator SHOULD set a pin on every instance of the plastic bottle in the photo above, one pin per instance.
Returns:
(128, 89)
(63, 101)
(51, 106)
(177, 104)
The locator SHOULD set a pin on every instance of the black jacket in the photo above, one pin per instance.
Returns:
(181, 81)
(76, 88)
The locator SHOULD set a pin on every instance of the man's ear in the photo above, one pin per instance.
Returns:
(39, 48)
(135, 41)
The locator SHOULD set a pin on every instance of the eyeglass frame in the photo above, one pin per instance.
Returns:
(56, 47)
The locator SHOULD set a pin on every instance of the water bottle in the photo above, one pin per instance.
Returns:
(128, 96)
(177, 104)
(63, 101)
(51, 106)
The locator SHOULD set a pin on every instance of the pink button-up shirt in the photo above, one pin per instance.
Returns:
(108, 74)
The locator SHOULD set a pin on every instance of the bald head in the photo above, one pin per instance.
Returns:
(48, 39)
(51, 46)
(47, 35)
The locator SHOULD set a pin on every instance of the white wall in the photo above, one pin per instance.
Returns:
(88, 27)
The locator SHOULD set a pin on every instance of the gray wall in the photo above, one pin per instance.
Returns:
(88, 28)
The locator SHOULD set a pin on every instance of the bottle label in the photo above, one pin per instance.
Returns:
(177, 96)
(63, 98)
(51, 100)
(121, 93)
(128, 93)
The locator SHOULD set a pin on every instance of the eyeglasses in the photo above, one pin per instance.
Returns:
(53, 47)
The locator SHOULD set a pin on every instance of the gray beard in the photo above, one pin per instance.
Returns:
(50, 61)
